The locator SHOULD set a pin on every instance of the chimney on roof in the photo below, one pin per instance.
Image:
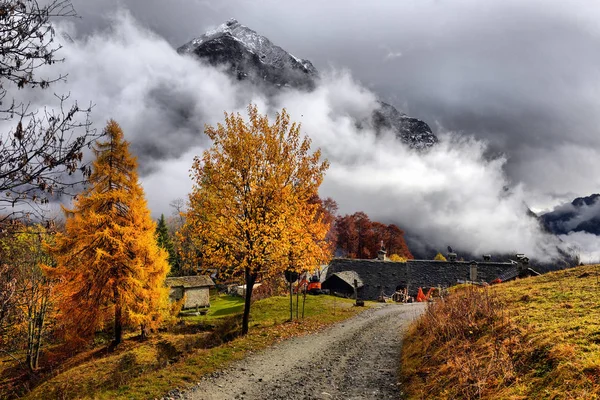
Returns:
(381, 254)
(487, 257)
(451, 257)
(522, 259)
(523, 262)
(473, 271)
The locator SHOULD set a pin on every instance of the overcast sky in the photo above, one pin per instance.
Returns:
(520, 77)
(522, 74)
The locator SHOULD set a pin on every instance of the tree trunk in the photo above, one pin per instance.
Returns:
(40, 331)
(30, 340)
(250, 279)
(118, 324)
(144, 332)
(31, 328)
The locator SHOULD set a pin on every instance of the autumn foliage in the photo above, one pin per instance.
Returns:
(327, 212)
(359, 237)
(26, 293)
(109, 266)
(250, 210)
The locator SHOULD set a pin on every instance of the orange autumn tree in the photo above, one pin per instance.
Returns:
(250, 213)
(108, 261)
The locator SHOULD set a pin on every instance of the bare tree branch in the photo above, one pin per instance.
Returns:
(41, 157)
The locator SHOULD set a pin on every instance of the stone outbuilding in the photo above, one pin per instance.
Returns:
(194, 288)
(343, 282)
(240, 290)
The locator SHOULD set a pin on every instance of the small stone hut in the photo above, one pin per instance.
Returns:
(194, 288)
(343, 282)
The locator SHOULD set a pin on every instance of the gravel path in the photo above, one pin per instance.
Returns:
(354, 359)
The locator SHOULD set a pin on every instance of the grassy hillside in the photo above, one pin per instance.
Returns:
(197, 346)
(535, 338)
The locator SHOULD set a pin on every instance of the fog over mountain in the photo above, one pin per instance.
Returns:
(520, 74)
(499, 138)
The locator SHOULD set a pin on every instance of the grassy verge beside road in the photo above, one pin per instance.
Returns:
(532, 338)
(142, 370)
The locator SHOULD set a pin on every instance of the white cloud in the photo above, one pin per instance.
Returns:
(584, 244)
(392, 55)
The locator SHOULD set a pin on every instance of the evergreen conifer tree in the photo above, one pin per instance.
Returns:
(164, 241)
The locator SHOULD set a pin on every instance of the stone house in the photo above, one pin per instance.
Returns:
(381, 276)
(194, 288)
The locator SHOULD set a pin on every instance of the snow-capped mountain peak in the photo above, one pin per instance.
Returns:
(254, 58)
(251, 56)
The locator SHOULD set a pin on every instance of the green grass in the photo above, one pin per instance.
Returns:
(225, 305)
(535, 338)
(143, 370)
(220, 306)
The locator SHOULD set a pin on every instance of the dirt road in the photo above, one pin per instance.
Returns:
(355, 359)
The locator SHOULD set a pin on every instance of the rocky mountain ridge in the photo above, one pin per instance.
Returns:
(252, 57)
(581, 215)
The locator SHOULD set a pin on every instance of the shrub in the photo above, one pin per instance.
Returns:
(274, 286)
(126, 368)
(443, 352)
(166, 353)
(439, 257)
(397, 258)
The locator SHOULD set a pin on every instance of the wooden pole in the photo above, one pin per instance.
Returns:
(303, 301)
(297, 297)
(291, 304)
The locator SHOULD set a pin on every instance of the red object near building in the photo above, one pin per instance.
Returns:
(313, 286)
(421, 297)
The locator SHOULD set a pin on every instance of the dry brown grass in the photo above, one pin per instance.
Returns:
(533, 338)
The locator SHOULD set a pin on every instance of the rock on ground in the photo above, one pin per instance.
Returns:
(355, 359)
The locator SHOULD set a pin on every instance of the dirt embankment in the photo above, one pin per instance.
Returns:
(355, 359)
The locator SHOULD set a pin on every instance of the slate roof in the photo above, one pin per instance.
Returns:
(375, 275)
(323, 272)
(190, 281)
(427, 273)
(508, 275)
(386, 276)
(349, 277)
(514, 273)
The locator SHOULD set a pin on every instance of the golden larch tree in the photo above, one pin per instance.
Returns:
(250, 213)
(108, 261)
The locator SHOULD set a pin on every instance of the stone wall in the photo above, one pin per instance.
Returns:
(425, 273)
(196, 297)
(175, 293)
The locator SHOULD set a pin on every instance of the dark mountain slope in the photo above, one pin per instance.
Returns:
(581, 215)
